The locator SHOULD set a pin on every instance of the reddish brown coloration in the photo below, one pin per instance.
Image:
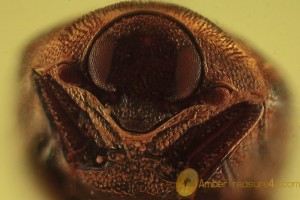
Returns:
(137, 92)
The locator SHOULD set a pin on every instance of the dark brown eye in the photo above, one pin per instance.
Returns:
(146, 54)
(187, 73)
(100, 61)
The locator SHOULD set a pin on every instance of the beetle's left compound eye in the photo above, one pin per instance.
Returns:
(146, 55)
(100, 62)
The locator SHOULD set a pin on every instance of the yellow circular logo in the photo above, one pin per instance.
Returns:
(187, 182)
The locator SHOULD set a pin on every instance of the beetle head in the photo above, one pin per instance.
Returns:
(137, 83)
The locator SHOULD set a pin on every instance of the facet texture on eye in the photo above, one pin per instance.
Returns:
(100, 62)
(146, 55)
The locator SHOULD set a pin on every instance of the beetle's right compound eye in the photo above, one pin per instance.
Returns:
(187, 74)
(100, 61)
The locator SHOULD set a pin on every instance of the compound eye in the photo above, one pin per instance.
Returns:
(158, 58)
(100, 61)
(188, 72)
